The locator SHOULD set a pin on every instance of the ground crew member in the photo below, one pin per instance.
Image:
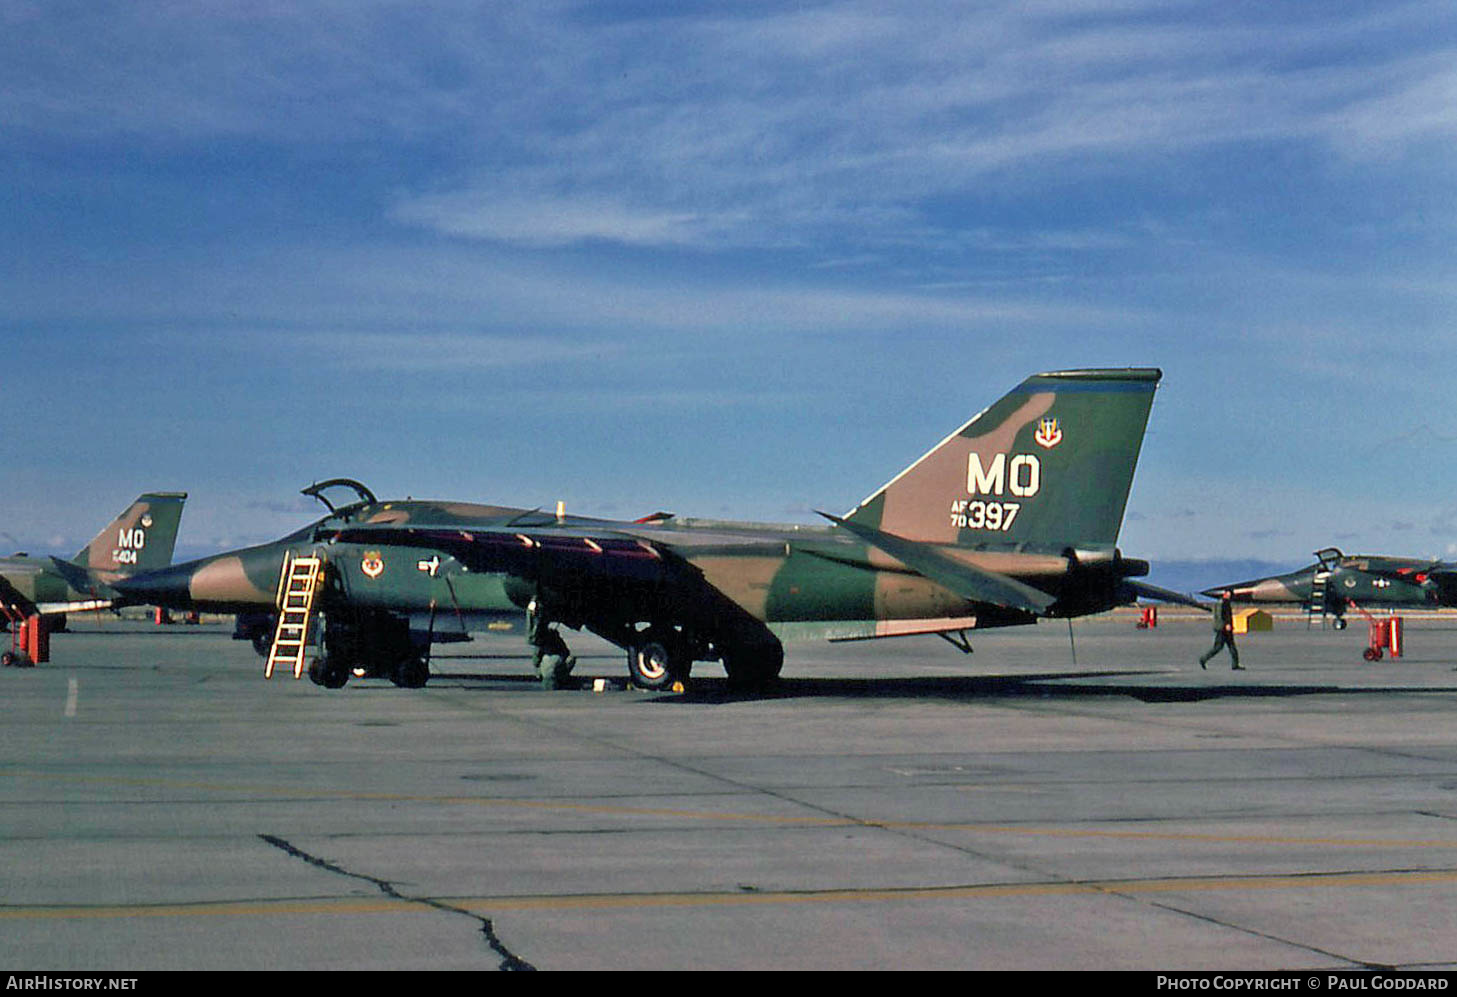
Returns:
(1223, 633)
(551, 657)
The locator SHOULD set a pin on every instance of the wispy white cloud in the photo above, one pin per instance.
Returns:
(431, 352)
(840, 120)
(570, 124)
(545, 221)
(1420, 104)
(415, 294)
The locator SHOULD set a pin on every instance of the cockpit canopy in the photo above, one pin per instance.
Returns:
(316, 490)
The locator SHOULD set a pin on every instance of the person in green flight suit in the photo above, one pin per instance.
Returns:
(1223, 633)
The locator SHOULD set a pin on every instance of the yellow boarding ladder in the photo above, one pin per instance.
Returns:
(297, 587)
(1317, 597)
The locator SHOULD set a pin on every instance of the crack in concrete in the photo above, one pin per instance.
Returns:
(510, 962)
(869, 824)
(1253, 932)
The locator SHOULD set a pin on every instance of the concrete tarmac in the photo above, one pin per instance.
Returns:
(893, 805)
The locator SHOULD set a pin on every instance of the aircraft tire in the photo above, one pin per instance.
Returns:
(262, 643)
(1371, 654)
(654, 662)
(1340, 623)
(324, 672)
(411, 672)
(754, 666)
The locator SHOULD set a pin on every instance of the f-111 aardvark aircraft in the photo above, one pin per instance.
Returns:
(140, 539)
(1012, 518)
(1337, 581)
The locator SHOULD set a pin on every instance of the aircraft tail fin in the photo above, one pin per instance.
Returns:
(1051, 463)
(141, 539)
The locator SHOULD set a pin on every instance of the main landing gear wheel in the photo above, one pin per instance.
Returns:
(753, 667)
(411, 672)
(324, 672)
(1340, 623)
(656, 661)
(1372, 654)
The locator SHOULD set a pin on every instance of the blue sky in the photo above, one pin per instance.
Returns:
(724, 259)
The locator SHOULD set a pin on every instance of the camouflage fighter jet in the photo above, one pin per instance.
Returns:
(1337, 581)
(140, 539)
(1012, 518)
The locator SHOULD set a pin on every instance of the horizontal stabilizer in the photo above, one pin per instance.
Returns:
(75, 575)
(881, 629)
(1143, 590)
(966, 581)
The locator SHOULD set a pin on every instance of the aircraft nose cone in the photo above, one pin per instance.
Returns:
(1238, 593)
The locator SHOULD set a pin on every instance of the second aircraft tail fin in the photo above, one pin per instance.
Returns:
(141, 539)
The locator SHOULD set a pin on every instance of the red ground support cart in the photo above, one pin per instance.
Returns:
(30, 639)
(1383, 634)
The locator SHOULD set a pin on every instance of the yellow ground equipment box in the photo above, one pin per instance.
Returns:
(1248, 621)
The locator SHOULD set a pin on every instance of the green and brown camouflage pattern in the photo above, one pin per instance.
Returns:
(1048, 465)
(1337, 580)
(141, 539)
(1061, 448)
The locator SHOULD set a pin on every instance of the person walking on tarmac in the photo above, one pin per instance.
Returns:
(1223, 633)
